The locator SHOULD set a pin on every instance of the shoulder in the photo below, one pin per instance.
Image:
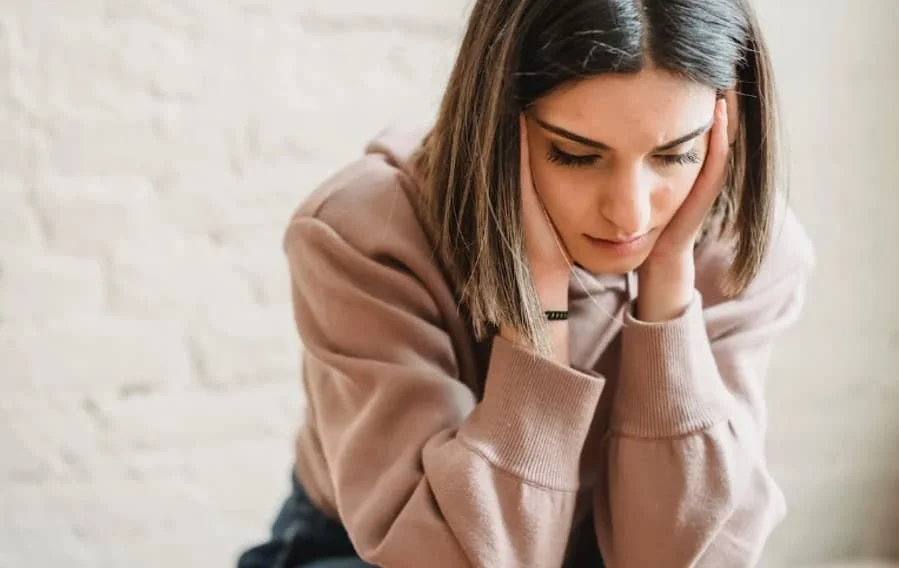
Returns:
(370, 204)
(790, 258)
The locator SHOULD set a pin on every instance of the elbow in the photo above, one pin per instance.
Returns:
(756, 514)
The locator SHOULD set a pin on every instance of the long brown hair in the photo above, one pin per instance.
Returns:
(516, 51)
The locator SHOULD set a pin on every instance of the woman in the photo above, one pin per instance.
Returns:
(538, 336)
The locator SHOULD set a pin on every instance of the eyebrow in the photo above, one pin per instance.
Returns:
(601, 146)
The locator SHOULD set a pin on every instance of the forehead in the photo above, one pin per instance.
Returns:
(625, 111)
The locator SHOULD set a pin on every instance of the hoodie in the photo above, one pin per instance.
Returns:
(435, 449)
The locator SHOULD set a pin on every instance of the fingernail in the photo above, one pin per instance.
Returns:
(722, 108)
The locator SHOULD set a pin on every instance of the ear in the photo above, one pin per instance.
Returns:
(733, 115)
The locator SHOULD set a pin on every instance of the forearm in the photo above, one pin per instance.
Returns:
(685, 460)
(686, 463)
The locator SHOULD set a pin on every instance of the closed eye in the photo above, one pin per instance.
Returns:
(557, 156)
(562, 158)
(685, 159)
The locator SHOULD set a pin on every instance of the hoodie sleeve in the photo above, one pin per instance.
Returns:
(686, 483)
(424, 475)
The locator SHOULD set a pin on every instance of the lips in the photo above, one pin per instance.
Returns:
(620, 241)
(620, 247)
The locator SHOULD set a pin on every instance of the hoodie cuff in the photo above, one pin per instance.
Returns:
(669, 384)
(534, 417)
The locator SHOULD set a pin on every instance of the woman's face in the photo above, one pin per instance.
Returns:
(613, 157)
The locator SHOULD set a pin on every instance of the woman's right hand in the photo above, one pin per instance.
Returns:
(550, 266)
(548, 260)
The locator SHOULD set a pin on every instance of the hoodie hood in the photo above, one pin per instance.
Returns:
(398, 145)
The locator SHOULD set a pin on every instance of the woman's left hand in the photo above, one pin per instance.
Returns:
(667, 276)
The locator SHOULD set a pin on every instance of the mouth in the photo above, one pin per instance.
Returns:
(620, 246)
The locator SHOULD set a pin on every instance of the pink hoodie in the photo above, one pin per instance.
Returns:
(436, 450)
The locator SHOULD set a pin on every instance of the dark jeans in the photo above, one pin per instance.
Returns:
(302, 537)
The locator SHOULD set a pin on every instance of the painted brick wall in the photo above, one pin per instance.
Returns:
(150, 153)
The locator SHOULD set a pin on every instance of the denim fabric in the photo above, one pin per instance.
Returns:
(302, 537)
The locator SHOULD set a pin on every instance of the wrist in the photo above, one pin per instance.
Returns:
(666, 289)
(553, 292)
(558, 336)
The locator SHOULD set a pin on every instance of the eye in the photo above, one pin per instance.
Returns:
(685, 159)
(557, 156)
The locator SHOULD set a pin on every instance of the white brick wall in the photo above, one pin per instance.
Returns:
(150, 153)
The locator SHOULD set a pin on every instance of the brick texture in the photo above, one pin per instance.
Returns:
(150, 154)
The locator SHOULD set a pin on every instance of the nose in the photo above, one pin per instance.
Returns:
(627, 203)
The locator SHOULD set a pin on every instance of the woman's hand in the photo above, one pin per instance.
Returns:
(549, 262)
(550, 267)
(667, 276)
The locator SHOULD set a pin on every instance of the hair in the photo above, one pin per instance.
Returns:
(513, 53)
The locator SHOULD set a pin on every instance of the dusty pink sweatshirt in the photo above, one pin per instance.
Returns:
(436, 450)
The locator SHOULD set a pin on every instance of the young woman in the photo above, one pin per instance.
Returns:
(537, 336)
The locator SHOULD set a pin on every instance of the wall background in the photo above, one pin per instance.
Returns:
(150, 153)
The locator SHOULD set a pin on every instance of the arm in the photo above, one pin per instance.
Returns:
(422, 474)
(687, 483)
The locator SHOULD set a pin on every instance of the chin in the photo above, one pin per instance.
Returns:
(595, 264)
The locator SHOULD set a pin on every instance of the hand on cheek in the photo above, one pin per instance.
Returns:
(667, 276)
(549, 262)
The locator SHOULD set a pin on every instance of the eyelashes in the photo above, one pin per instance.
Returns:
(557, 156)
(685, 159)
(565, 159)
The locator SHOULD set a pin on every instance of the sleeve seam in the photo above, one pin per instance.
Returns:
(537, 485)
(702, 429)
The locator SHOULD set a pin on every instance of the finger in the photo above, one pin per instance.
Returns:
(709, 182)
(714, 169)
(719, 141)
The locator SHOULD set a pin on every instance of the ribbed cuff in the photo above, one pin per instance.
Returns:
(669, 384)
(534, 417)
